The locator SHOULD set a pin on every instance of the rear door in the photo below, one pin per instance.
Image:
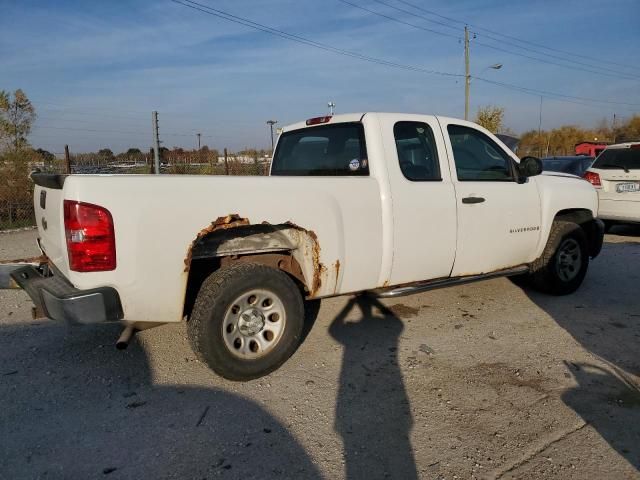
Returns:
(423, 198)
(498, 218)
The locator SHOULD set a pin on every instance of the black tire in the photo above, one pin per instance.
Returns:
(548, 274)
(213, 304)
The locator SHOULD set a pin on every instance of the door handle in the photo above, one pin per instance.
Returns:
(472, 200)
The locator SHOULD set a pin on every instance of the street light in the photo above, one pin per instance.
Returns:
(495, 66)
(271, 123)
(331, 106)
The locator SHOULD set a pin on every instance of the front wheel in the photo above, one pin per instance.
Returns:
(565, 260)
(247, 321)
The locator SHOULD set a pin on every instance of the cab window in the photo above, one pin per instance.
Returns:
(417, 152)
(330, 150)
(478, 157)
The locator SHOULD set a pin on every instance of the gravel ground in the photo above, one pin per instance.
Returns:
(477, 381)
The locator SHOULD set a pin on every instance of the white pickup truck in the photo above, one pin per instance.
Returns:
(388, 204)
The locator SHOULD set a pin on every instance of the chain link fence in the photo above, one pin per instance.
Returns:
(16, 188)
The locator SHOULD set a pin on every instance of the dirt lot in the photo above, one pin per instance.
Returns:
(479, 381)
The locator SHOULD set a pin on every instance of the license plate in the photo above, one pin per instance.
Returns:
(628, 187)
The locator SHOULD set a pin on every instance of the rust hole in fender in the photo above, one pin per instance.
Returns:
(220, 223)
(284, 261)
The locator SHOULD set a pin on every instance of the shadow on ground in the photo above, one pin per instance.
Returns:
(604, 317)
(373, 416)
(73, 408)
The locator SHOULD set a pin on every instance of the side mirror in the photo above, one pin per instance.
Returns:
(530, 167)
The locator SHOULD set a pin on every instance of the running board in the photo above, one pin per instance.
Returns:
(426, 285)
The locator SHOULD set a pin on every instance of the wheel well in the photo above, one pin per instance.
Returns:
(201, 268)
(585, 219)
(575, 215)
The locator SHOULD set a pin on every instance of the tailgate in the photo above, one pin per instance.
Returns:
(619, 185)
(48, 207)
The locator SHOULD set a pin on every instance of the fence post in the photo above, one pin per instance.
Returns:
(67, 159)
(226, 162)
(150, 162)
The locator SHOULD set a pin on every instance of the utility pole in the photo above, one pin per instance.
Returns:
(156, 142)
(540, 129)
(613, 128)
(198, 135)
(67, 159)
(271, 123)
(467, 74)
(226, 162)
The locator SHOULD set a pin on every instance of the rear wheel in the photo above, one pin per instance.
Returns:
(247, 321)
(563, 265)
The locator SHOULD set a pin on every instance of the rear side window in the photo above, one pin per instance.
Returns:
(619, 159)
(417, 151)
(332, 150)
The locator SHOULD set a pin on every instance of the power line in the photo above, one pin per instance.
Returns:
(539, 45)
(457, 37)
(594, 69)
(560, 96)
(120, 132)
(297, 38)
(72, 110)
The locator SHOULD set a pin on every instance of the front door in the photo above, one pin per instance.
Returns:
(498, 218)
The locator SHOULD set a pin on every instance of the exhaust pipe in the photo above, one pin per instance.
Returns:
(125, 337)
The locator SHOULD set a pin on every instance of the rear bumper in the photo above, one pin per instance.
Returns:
(620, 210)
(56, 298)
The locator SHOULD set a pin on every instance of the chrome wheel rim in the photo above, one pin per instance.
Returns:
(568, 260)
(253, 324)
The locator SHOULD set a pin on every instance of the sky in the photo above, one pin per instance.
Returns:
(95, 70)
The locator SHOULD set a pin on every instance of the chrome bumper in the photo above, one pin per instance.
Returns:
(55, 297)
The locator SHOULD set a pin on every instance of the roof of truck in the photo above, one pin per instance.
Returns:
(343, 117)
(356, 117)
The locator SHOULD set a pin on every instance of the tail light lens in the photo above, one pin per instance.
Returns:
(593, 178)
(319, 120)
(91, 241)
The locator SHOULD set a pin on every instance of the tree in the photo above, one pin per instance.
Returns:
(629, 131)
(105, 154)
(47, 157)
(17, 115)
(490, 117)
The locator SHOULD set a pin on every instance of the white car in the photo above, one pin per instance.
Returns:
(616, 176)
(386, 203)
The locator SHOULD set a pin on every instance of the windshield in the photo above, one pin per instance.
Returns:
(325, 150)
(619, 158)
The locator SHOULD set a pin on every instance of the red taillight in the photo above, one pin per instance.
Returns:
(593, 178)
(319, 120)
(91, 242)
(635, 146)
